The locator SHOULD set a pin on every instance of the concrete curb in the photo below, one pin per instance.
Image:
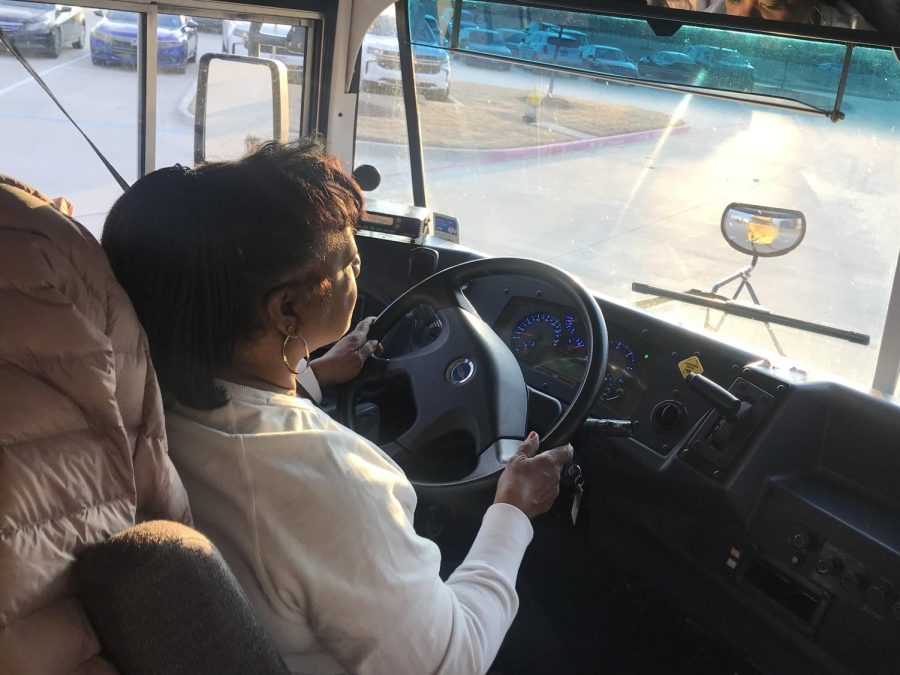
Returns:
(184, 105)
(532, 151)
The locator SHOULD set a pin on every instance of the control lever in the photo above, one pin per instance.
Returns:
(725, 431)
(609, 428)
(730, 407)
(726, 404)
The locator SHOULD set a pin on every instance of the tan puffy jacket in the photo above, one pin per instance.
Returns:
(82, 441)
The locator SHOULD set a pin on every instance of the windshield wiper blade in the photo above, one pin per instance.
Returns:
(713, 301)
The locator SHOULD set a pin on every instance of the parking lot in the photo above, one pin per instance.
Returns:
(646, 211)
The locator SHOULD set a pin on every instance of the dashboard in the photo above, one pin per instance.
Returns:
(782, 536)
(762, 506)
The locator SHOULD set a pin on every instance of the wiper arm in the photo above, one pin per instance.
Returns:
(713, 301)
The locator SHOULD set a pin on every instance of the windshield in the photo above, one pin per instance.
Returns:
(30, 5)
(122, 17)
(610, 54)
(673, 57)
(624, 185)
(561, 41)
(423, 34)
(169, 21)
(484, 37)
(730, 56)
(385, 26)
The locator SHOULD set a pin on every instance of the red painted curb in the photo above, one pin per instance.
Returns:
(583, 144)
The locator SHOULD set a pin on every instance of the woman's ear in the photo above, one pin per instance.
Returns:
(281, 309)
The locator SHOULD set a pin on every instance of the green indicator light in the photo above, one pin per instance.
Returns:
(646, 357)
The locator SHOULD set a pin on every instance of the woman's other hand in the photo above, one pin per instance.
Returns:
(346, 357)
(530, 482)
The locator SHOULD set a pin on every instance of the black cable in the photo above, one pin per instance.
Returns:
(37, 78)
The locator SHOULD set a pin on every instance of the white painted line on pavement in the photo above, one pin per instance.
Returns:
(16, 85)
(184, 105)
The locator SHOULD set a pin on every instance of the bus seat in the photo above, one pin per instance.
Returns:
(82, 440)
(164, 602)
(880, 12)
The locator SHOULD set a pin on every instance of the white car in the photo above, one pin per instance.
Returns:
(234, 34)
(380, 59)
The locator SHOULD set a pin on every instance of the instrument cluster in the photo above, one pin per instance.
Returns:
(551, 339)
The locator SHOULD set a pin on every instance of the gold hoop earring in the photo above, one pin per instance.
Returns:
(287, 363)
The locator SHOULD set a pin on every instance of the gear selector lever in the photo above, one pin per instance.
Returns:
(726, 404)
(727, 428)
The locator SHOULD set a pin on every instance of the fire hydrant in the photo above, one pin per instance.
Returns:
(532, 103)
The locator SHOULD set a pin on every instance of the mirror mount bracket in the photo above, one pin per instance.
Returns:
(744, 276)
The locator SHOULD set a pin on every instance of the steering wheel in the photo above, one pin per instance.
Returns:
(467, 380)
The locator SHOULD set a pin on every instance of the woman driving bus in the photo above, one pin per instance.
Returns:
(238, 270)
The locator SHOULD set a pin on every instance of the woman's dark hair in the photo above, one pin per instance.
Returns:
(198, 250)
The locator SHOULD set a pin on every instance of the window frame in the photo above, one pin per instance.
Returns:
(307, 14)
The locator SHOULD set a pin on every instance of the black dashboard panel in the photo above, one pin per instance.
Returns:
(794, 518)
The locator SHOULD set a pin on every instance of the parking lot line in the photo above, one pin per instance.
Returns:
(16, 85)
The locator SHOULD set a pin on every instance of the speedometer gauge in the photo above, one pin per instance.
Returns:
(620, 367)
(538, 329)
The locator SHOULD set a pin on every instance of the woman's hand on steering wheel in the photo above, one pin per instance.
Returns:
(346, 357)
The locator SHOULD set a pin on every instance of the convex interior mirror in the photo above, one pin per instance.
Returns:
(762, 231)
(241, 102)
(367, 176)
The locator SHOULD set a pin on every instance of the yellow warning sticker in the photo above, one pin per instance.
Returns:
(690, 365)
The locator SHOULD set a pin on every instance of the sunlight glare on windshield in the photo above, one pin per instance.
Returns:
(624, 184)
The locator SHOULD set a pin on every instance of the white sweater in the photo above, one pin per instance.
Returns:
(316, 523)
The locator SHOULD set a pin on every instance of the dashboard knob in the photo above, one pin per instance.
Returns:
(668, 415)
(851, 581)
(828, 565)
(800, 540)
(895, 610)
(876, 597)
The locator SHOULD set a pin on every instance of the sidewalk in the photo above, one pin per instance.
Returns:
(534, 151)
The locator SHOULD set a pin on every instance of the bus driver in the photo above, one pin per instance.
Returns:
(237, 270)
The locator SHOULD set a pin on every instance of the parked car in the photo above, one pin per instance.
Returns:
(545, 47)
(380, 59)
(114, 40)
(580, 37)
(723, 67)
(609, 60)
(669, 67)
(485, 42)
(279, 41)
(234, 36)
(463, 24)
(43, 26)
(513, 39)
(542, 27)
(447, 18)
(432, 24)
